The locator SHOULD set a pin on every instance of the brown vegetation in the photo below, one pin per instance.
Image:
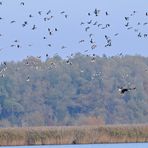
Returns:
(73, 135)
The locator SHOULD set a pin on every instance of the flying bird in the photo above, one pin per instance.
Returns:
(39, 12)
(63, 47)
(123, 90)
(46, 55)
(18, 46)
(62, 12)
(106, 13)
(81, 41)
(28, 78)
(91, 41)
(22, 3)
(30, 15)
(126, 18)
(145, 23)
(127, 24)
(89, 22)
(49, 11)
(82, 23)
(145, 35)
(49, 45)
(12, 22)
(34, 27)
(87, 28)
(93, 46)
(96, 12)
(139, 35)
(66, 16)
(95, 23)
(116, 34)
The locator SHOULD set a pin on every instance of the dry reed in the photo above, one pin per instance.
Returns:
(73, 135)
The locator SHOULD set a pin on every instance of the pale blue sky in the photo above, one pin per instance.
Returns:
(70, 32)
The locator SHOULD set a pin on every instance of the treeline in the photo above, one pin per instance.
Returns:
(81, 90)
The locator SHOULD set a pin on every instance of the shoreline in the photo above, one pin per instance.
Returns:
(65, 135)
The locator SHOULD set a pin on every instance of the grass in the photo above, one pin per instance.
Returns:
(73, 135)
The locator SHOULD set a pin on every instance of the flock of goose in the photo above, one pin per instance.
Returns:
(86, 26)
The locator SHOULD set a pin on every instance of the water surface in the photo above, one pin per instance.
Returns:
(129, 145)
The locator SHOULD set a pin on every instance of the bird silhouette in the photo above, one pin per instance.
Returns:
(145, 35)
(49, 11)
(126, 18)
(116, 34)
(82, 23)
(91, 41)
(62, 12)
(123, 90)
(30, 15)
(96, 12)
(22, 3)
(12, 22)
(66, 16)
(106, 13)
(49, 45)
(34, 27)
(127, 24)
(139, 35)
(63, 47)
(81, 41)
(86, 29)
(28, 78)
(40, 12)
(95, 23)
(93, 46)
(89, 22)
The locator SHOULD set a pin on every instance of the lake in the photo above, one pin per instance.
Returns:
(128, 145)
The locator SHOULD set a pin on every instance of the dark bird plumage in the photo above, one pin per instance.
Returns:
(22, 3)
(123, 90)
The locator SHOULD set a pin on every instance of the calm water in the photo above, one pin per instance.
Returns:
(131, 145)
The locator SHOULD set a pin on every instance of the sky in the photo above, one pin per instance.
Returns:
(70, 34)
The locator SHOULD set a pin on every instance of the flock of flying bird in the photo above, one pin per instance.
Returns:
(87, 25)
(100, 26)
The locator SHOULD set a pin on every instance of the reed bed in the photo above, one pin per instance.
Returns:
(73, 135)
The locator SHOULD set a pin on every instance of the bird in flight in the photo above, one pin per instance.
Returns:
(106, 13)
(49, 11)
(96, 12)
(81, 41)
(28, 78)
(123, 90)
(87, 28)
(34, 27)
(12, 21)
(22, 3)
(39, 12)
(126, 18)
(62, 12)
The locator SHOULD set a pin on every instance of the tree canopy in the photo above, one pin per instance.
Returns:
(80, 90)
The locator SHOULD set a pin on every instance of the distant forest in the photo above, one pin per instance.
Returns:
(80, 90)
